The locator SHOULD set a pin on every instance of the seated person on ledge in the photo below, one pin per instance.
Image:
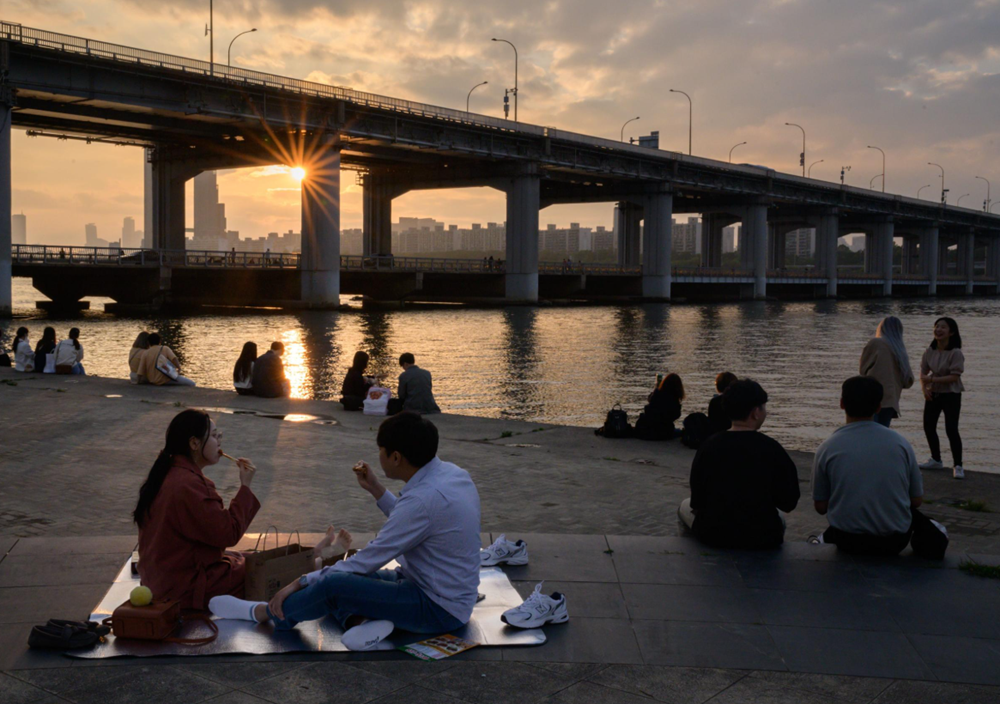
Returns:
(268, 377)
(184, 527)
(355, 387)
(866, 480)
(416, 390)
(717, 418)
(432, 531)
(741, 479)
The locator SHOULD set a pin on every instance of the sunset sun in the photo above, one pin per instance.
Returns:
(298, 173)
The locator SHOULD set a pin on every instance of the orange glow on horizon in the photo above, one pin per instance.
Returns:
(298, 173)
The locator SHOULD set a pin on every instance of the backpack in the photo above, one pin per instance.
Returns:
(697, 428)
(615, 424)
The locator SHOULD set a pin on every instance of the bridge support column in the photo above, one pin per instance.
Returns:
(827, 234)
(754, 237)
(993, 259)
(627, 218)
(523, 201)
(712, 225)
(657, 244)
(377, 215)
(6, 295)
(884, 241)
(911, 257)
(929, 265)
(321, 228)
(777, 238)
(168, 202)
(967, 251)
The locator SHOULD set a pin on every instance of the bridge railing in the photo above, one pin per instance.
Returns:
(420, 264)
(125, 257)
(588, 268)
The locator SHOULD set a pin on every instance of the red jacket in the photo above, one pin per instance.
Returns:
(183, 539)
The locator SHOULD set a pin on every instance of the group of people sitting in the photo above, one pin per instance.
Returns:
(49, 355)
(431, 530)
(262, 376)
(414, 390)
(663, 409)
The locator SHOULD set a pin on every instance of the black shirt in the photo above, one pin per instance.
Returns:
(663, 405)
(738, 479)
(269, 376)
(718, 420)
(355, 384)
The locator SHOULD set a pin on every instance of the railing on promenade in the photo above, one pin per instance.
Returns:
(421, 264)
(126, 257)
(588, 268)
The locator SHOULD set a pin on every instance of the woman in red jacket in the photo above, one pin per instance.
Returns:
(184, 527)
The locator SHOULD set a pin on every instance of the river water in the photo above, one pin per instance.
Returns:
(569, 365)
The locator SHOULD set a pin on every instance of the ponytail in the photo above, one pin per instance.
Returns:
(185, 425)
(74, 335)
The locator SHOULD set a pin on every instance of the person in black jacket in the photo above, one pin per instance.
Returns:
(356, 385)
(46, 345)
(269, 374)
(656, 422)
(717, 418)
(741, 478)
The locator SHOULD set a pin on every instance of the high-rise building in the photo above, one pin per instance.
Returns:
(208, 215)
(602, 240)
(729, 239)
(800, 243)
(19, 229)
(91, 233)
(687, 236)
(128, 233)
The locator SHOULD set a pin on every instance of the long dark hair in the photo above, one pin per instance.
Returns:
(360, 361)
(955, 341)
(672, 385)
(247, 357)
(48, 337)
(185, 425)
(74, 335)
(22, 334)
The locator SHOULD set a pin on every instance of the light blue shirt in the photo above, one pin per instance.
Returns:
(432, 531)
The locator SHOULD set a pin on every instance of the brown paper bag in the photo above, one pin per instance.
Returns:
(270, 570)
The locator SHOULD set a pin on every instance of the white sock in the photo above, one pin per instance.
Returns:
(230, 607)
(367, 636)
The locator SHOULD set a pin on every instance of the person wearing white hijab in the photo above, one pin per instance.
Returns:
(885, 360)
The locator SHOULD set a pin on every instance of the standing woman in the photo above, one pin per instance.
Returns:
(243, 371)
(885, 360)
(24, 358)
(941, 372)
(184, 527)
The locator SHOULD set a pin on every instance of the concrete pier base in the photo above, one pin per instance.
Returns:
(321, 228)
(523, 201)
(6, 297)
(657, 243)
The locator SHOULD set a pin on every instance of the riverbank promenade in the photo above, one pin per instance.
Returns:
(654, 617)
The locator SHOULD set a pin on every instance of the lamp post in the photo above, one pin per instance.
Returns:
(210, 33)
(871, 184)
(814, 164)
(883, 167)
(623, 127)
(964, 195)
(986, 205)
(515, 72)
(931, 163)
(469, 96)
(922, 188)
(802, 156)
(731, 151)
(843, 170)
(690, 114)
(229, 54)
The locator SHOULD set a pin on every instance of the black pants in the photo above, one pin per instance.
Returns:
(867, 544)
(951, 404)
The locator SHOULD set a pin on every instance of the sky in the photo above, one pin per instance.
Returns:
(918, 78)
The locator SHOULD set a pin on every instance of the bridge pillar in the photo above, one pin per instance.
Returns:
(911, 256)
(523, 201)
(777, 238)
(377, 216)
(321, 228)
(754, 237)
(929, 265)
(712, 225)
(884, 241)
(827, 234)
(993, 257)
(627, 218)
(657, 243)
(967, 252)
(6, 295)
(168, 182)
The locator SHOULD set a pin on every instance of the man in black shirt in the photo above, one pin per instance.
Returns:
(741, 478)
(269, 374)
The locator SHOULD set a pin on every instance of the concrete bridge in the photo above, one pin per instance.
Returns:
(193, 116)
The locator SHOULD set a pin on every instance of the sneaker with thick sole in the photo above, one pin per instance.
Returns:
(958, 472)
(368, 635)
(537, 610)
(504, 552)
(932, 464)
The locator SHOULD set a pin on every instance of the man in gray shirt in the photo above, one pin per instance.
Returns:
(866, 480)
(414, 390)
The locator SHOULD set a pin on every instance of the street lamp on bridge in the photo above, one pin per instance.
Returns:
(731, 151)
(690, 114)
(843, 170)
(210, 33)
(943, 192)
(515, 72)
(802, 156)
(871, 184)
(814, 164)
(623, 127)
(883, 167)
(229, 54)
(922, 188)
(986, 203)
(964, 195)
(469, 96)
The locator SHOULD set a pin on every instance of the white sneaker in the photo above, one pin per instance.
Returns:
(367, 636)
(504, 552)
(537, 610)
(932, 464)
(958, 472)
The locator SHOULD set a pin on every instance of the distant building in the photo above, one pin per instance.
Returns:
(687, 236)
(800, 243)
(603, 240)
(855, 243)
(19, 229)
(130, 237)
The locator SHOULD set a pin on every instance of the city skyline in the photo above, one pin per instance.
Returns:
(905, 77)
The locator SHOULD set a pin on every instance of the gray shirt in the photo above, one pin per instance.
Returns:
(432, 531)
(415, 391)
(868, 473)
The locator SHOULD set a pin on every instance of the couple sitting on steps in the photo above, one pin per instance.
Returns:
(432, 531)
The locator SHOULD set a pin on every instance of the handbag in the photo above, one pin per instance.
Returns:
(615, 424)
(268, 571)
(930, 538)
(377, 401)
(165, 366)
(50, 363)
(156, 621)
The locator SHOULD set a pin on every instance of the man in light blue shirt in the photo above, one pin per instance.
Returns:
(866, 480)
(432, 531)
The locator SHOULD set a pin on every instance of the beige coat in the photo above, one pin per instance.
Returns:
(879, 363)
(147, 365)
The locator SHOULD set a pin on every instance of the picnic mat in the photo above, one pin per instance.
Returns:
(244, 637)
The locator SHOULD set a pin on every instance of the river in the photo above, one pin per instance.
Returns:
(569, 365)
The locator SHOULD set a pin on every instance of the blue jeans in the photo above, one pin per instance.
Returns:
(885, 416)
(78, 369)
(381, 595)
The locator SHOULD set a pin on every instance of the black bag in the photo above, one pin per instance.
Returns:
(928, 540)
(615, 424)
(697, 428)
(4, 359)
(59, 634)
(649, 426)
